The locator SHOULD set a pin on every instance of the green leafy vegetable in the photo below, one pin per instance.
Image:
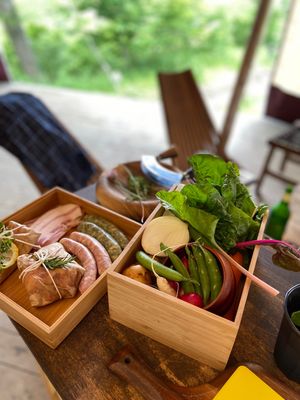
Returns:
(203, 223)
(5, 241)
(296, 318)
(287, 256)
(218, 206)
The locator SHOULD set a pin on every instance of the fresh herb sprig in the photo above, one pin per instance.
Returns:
(137, 188)
(58, 262)
(5, 241)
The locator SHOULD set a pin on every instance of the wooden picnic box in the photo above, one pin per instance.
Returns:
(52, 323)
(193, 331)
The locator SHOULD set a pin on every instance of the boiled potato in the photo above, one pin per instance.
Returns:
(138, 273)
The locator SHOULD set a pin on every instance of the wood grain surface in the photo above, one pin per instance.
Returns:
(128, 366)
(78, 367)
(54, 322)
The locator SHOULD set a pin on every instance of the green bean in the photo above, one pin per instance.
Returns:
(214, 273)
(149, 263)
(194, 270)
(203, 273)
(187, 287)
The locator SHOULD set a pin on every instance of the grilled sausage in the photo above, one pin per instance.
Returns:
(110, 244)
(109, 227)
(100, 254)
(86, 259)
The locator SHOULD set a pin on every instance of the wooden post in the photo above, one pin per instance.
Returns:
(12, 24)
(244, 72)
(4, 75)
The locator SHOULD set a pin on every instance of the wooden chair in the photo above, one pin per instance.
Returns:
(97, 167)
(190, 128)
(289, 144)
(49, 153)
(189, 125)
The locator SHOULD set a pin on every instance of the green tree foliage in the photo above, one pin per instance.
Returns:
(112, 45)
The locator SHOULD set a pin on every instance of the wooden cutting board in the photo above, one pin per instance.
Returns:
(234, 383)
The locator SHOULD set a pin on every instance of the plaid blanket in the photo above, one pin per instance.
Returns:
(33, 134)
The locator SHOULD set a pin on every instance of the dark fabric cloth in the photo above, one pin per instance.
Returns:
(282, 105)
(32, 133)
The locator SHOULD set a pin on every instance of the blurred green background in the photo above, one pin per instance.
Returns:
(119, 45)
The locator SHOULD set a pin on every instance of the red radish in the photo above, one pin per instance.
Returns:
(185, 262)
(174, 284)
(192, 298)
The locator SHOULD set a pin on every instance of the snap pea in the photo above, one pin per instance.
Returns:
(214, 273)
(194, 270)
(187, 287)
(149, 263)
(203, 273)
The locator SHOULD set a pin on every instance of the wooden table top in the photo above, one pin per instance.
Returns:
(78, 367)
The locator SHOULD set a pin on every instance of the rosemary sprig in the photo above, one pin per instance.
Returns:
(137, 188)
(58, 262)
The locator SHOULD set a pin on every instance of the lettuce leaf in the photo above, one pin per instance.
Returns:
(224, 176)
(218, 206)
(203, 222)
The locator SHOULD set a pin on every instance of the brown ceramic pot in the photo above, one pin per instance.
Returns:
(109, 194)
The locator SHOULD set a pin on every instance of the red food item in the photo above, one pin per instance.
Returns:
(192, 298)
(174, 284)
(185, 262)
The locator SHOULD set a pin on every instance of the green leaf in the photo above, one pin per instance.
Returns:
(203, 222)
(233, 225)
(5, 242)
(286, 258)
(224, 176)
(296, 318)
(218, 207)
(210, 168)
(58, 262)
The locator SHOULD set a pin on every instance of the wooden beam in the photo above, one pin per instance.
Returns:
(4, 75)
(257, 29)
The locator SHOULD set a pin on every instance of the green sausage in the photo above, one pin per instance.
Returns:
(109, 227)
(203, 273)
(110, 244)
(214, 273)
(147, 262)
(194, 270)
(187, 287)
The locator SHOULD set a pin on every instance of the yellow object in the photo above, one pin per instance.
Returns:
(245, 385)
(10, 257)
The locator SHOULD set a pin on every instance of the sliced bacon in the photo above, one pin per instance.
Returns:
(54, 224)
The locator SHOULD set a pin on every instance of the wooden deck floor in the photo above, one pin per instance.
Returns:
(114, 129)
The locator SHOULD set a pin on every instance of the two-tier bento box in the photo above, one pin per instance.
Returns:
(191, 330)
(53, 322)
